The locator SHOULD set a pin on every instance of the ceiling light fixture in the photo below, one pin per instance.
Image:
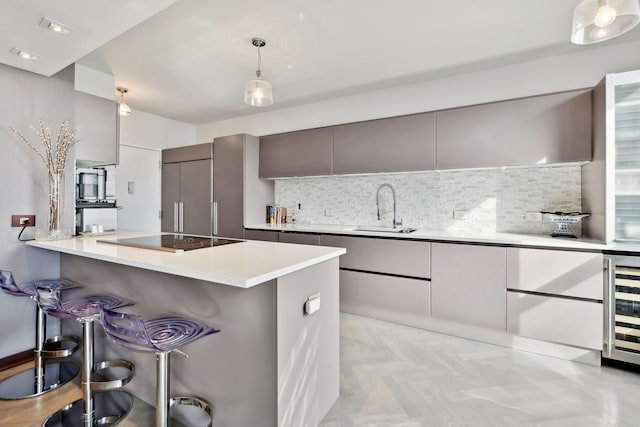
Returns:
(26, 55)
(55, 27)
(599, 20)
(258, 92)
(123, 108)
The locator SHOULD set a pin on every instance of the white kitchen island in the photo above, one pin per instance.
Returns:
(271, 364)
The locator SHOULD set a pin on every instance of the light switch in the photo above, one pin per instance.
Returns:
(313, 304)
(131, 187)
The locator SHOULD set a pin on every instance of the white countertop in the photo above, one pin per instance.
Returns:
(244, 264)
(534, 240)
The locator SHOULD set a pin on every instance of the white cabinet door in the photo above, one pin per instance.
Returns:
(577, 274)
(560, 320)
(468, 284)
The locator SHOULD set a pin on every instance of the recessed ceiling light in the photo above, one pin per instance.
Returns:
(24, 54)
(55, 26)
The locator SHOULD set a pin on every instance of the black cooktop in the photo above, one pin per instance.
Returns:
(171, 242)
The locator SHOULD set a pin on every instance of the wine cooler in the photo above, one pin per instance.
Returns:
(622, 309)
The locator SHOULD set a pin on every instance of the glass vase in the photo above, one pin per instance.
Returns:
(56, 203)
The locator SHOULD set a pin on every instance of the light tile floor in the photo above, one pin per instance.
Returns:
(393, 375)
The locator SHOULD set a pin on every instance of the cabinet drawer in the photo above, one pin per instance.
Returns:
(577, 274)
(555, 319)
(300, 238)
(268, 236)
(402, 257)
(395, 299)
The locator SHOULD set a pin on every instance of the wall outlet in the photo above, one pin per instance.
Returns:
(461, 215)
(533, 216)
(328, 212)
(20, 220)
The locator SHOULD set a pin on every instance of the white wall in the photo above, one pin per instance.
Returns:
(553, 74)
(26, 98)
(148, 130)
(142, 137)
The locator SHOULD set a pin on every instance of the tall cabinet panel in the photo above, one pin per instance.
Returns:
(187, 190)
(227, 186)
(196, 183)
(170, 196)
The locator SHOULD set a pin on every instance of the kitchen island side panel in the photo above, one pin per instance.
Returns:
(308, 345)
(234, 369)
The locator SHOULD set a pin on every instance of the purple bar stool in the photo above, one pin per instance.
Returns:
(162, 335)
(49, 372)
(112, 405)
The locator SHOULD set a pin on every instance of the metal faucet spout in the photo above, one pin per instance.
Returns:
(393, 192)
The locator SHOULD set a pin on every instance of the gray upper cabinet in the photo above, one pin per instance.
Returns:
(98, 125)
(396, 144)
(303, 153)
(552, 128)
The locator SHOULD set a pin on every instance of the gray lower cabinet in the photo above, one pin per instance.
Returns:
(468, 284)
(300, 238)
(394, 299)
(302, 153)
(564, 273)
(397, 144)
(556, 296)
(399, 257)
(385, 279)
(560, 320)
(98, 125)
(542, 129)
(266, 236)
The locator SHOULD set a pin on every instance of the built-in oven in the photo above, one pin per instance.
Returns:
(622, 308)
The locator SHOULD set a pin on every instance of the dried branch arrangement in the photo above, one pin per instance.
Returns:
(55, 153)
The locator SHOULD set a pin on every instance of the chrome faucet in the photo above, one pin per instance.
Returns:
(393, 192)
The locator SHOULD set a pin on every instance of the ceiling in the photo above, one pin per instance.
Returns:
(188, 59)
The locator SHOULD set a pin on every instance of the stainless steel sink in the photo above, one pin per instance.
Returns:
(384, 229)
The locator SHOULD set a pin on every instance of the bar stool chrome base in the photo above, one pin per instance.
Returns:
(31, 383)
(47, 374)
(110, 408)
(201, 415)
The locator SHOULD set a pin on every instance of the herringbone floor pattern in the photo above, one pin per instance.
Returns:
(398, 376)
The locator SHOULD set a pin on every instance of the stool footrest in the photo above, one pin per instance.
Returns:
(60, 346)
(102, 381)
(197, 402)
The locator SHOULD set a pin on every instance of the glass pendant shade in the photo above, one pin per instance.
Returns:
(599, 20)
(124, 109)
(258, 93)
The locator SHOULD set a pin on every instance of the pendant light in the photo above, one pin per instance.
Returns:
(123, 108)
(258, 92)
(599, 20)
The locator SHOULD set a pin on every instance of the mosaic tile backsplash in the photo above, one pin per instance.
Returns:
(503, 200)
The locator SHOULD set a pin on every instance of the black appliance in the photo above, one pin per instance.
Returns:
(171, 242)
